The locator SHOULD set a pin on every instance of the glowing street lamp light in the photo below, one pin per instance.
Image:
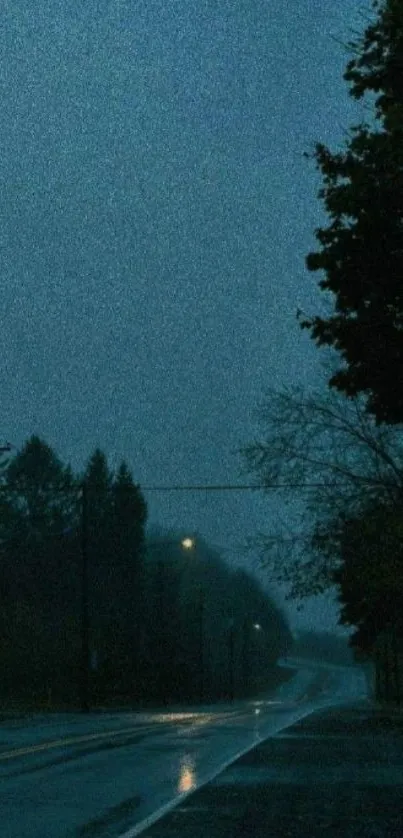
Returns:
(188, 543)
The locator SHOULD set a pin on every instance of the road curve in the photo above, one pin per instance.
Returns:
(69, 776)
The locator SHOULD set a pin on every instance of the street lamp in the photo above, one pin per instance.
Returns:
(231, 633)
(189, 543)
(186, 543)
(247, 627)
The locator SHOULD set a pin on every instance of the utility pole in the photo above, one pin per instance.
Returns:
(85, 622)
(163, 598)
(245, 656)
(201, 645)
(231, 659)
(396, 659)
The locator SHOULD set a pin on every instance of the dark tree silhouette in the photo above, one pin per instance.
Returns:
(362, 248)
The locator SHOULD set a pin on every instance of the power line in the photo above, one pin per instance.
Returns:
(201, 488)
(198, 488)
(239, 487)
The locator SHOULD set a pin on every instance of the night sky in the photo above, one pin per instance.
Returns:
(156, 211)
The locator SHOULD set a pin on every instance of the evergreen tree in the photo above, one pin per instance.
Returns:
(97, 510)
(98, 483)
(362, 248)
(165, 621)
(38, 506)
(39, 585)
(127, 542)
(115, 515)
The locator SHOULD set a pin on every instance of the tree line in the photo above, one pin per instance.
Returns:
(164, 624)
(322, 646)
(341, 444)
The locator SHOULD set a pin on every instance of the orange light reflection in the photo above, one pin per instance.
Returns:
(187, 776)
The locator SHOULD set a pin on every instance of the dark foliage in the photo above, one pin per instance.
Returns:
(164, 623)
(362, 248)
(370, 576)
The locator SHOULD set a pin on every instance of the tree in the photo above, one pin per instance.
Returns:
(326, 451)
(39, 501)
(362, 248)
(38, 591)
(27, 670)
(42, 521)
(370, 583)
(173, 615)
(370, 575)
(129, 517)
(126, 585)
(98, 514)
(322, 645)
(98, 480)
(201, 640)
(104, 617)
(351, 469)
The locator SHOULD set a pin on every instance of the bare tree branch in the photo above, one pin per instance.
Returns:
(343, 460)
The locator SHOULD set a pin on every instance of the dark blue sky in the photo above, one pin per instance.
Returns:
(155, 214)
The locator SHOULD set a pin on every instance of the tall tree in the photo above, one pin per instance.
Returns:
(98, 480)
(115, 518)
(39, 502)
(329, 456)
(129, 515)
(370, 573)
(97, 514)
(201, 616)
(350, 471)
(39, 587)
(370, 591)
(362, 248)
(127, 583)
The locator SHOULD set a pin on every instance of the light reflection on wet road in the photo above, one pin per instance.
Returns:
(115, 771)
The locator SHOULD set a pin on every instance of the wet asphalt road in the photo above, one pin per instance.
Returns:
(105, 775)
(337, 772)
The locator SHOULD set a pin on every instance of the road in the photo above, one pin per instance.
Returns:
(103, 775)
